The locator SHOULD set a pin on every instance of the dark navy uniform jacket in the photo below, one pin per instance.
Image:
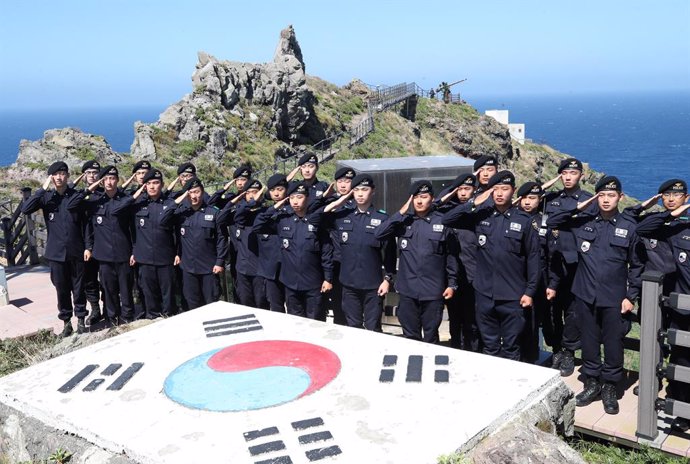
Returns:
(333, 233)
(466, 249)
(64, 219)
(354, 234)
(610, 256)
(246, 241)
(563, 241)
(306, 257)
(427, 266)
(203, 240)
(659, 254)
(538, 223)
(154, 231)
(269, 249)
(675, 232)
(220, 198)
(508, 263)
(111, 221)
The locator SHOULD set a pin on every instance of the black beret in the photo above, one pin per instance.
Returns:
(609, 183)
(308, 158)
(143, 164)
(57, 166)
(570, 163)
(109, 170)
(297, 187)
(674, 185)
(153, 174)
(346, 172)
(503, 178)
(253, 184)
(276, 180)
(485, 160)
(194, 182)
(421, 186)
(186, 167)
(362, 180)
(530, 188)
(242, 171)
(93, 164)
(464, 179)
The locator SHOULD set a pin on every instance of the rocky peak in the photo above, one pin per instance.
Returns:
(223, 89)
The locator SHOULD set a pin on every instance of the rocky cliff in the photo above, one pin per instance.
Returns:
(261, 113)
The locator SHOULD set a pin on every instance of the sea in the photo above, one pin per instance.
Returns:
(643, 138)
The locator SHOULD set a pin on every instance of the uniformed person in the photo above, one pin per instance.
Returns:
(139, 170)
(306, 268)
(606, 285)
(250, 285)
(673, 227)
(92, 287)
(427, 274)
(269, 247)
(367, 264)
(155, 251)
(343, 185)
(462, 322)
(185, 172)
(563, 264)
(239, 179)
(485, 167)
(508, 267)
(308, 166)
(110, 215)
(203, 245)
(65, 248)
(529, 196)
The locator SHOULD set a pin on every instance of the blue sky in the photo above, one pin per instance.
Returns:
(121, 53)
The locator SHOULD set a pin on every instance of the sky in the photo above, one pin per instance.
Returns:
(87, 54)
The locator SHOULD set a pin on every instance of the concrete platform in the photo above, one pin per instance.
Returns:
(227, 383)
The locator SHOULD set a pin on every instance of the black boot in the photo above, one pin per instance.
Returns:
(67, 330)
(610, 398)
(680, 425)
(567, 365)
(81, 326)
(590, 393)
(556, 359)
(95, 316)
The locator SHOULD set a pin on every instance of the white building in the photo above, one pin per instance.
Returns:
(517, 131)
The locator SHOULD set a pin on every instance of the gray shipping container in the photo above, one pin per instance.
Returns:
(393, 176)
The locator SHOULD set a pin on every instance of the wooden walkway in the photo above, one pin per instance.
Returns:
(620, 428)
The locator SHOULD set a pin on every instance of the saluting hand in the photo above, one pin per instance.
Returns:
(584, 204)
(682, 209)
(129, 181)
(329, 190)
(95, 185)
(279, 204)
(482, 197)
(651, 201)
(406, 207)
(449, 195)
(229, 184)
(47, 183)
(78, 179)
(549, 183)
(173, 183)
(237, 198)
(181, 198)
(526, 301)
(291, 175)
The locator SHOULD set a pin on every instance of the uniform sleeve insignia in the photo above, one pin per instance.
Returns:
(481, 240)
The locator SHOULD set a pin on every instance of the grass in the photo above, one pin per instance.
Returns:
(18, 353)
(602, 452)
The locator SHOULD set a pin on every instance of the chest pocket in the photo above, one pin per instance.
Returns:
(681, 250)
(142, 219)
(438, 245)
(513, 241)
(208, 230)
(619, 248)
(585, 238)
(345, 232)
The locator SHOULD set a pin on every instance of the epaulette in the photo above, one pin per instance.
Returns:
(382, 211)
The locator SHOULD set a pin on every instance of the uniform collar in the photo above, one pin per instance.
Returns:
(367, 212)
(576, 195)
(614, 219)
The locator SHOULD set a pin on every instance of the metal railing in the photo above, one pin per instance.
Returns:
(652, 367)
(19, 234)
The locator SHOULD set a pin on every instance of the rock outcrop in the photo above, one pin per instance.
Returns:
(70, 145)
(225, 90)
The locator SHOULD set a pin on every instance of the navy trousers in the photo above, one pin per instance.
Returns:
(68, 279)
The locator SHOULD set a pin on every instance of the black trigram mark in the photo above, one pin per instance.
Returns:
(270, 442)
(117, 384)
(321, 452)
(415, 364)
(231, 325)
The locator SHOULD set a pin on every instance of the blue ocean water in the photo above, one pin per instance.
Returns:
(642, 138)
